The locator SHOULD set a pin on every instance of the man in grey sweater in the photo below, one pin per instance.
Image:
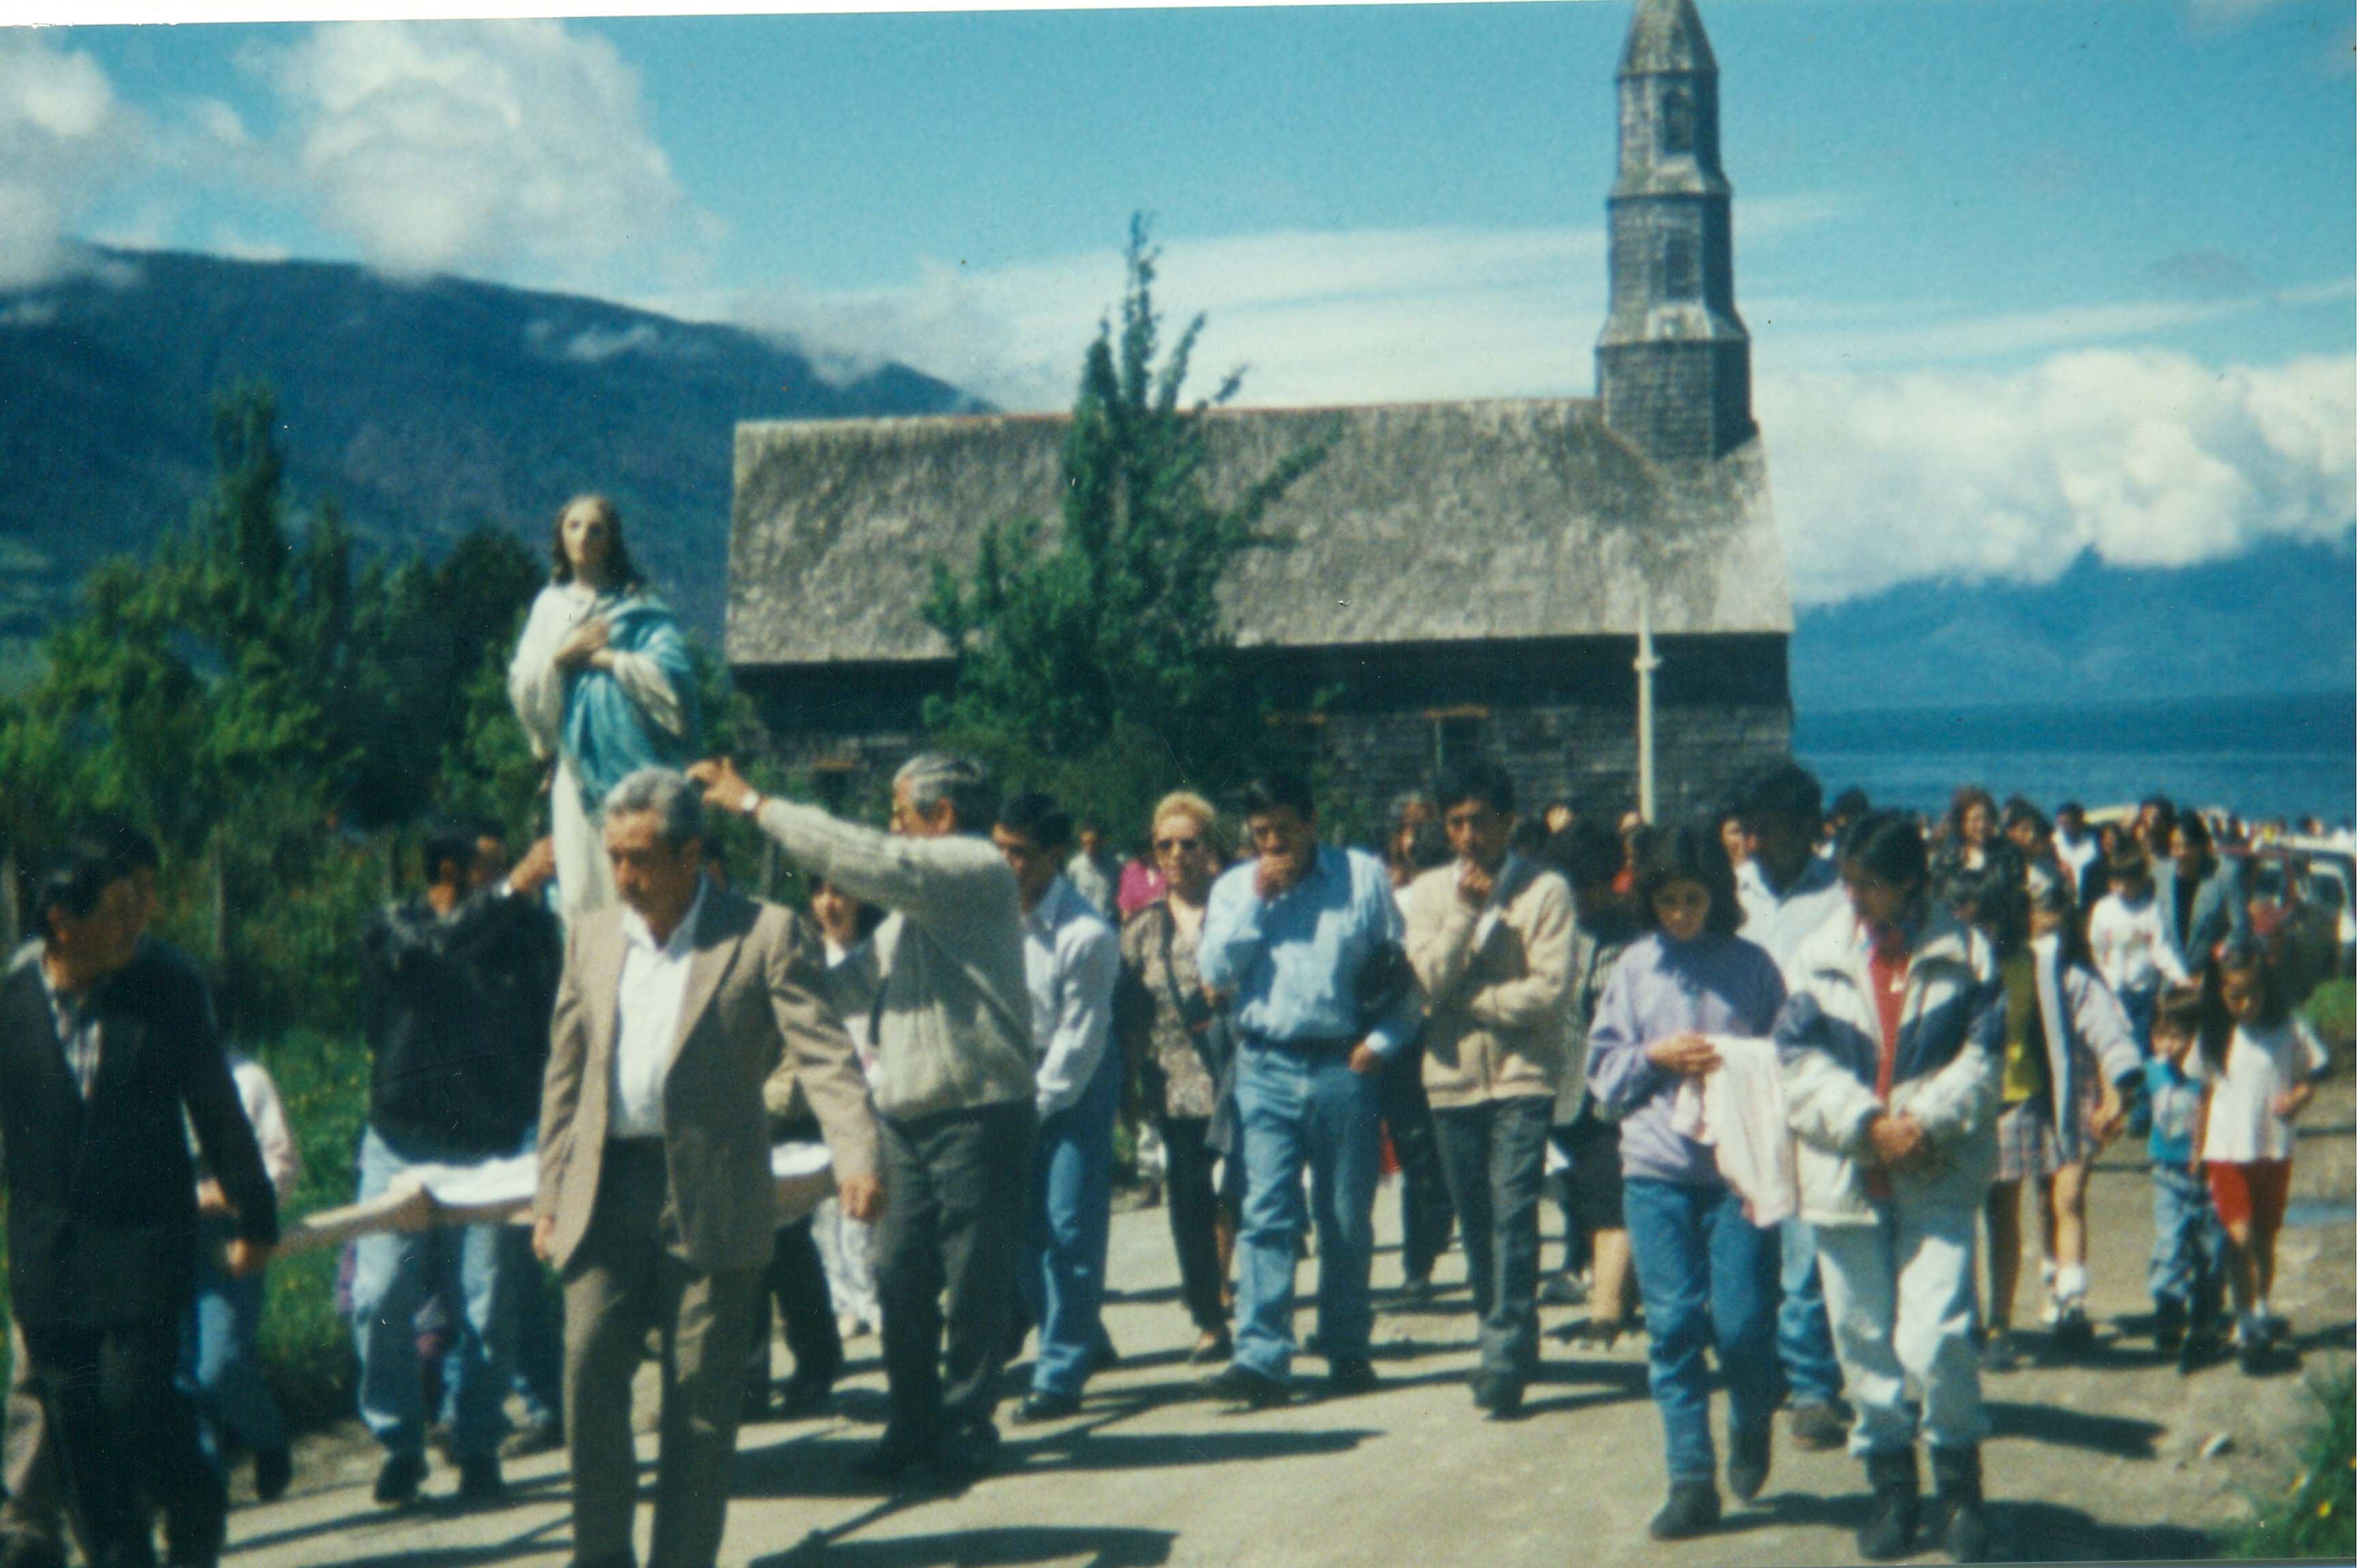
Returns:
(953, 1087)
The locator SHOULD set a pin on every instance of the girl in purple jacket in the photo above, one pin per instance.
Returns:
(1707, 1274)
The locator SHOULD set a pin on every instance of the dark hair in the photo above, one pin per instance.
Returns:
(1279, 789)
(1690, 853)
(2071, 809)
(1964, 799)
(2196, 832)
(1890, 846)
(2236, 955)
(2017, 811)
(2179, 1011)
(452, 839)
(863, 924)
(1586, 852)
(1528, 839)
(1479, 780)
(1994, 903)
(132, 850)
(1429, 847)
(1037, 818)
(1782, 790)
(620, 570)
(76, 877)
(1852, 804)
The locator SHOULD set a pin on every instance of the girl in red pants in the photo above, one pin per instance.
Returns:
(2259, 1065)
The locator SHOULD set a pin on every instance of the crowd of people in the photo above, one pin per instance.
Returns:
(1787, 1073)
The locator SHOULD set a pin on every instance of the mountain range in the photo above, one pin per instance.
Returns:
(425, 408)
(422, 408)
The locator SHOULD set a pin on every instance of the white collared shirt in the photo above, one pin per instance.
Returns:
(1781, 922)
(647, 1003)
(1071, 959)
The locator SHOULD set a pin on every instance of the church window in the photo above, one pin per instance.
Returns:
(1456, 735)
(1681, 271)
(1677, 120)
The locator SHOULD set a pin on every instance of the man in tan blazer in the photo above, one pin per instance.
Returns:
(656, 1199)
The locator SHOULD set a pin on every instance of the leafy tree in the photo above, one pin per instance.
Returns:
(1095, 662)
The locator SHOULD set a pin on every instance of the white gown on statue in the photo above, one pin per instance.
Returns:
(535, 685)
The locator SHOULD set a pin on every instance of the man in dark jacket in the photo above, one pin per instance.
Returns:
(108, 1055)
(459, 982)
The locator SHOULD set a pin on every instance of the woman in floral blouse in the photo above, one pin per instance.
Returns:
(1180, 1047)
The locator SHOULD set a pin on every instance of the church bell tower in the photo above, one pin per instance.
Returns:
(1673, 365)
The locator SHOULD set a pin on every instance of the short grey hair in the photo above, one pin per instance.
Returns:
(932, 776)
(669, 794)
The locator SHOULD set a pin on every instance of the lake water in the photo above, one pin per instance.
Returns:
(2261, 757)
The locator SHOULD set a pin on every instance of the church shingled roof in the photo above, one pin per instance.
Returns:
(1426, 522)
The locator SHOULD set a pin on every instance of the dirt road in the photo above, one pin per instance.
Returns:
(2102, 1460)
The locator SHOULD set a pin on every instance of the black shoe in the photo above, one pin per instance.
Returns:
(1499, 1395)
(1239, 1387)
(1998, 1352)
(1818, 1427)
(1692, 1509)
(2250, 1354)
(2074, 1333)
(1351, 1375)
(805, 1397)
(1037, 1407)
(2201, 1347)
(544, 1436)
(2168, 1324)
(397, 1483)
(480, 1480)
(967, 1455)
(894, 1457)
(1891, 1532)
(1747, 1463)
(1211, 1349)
(1958, 1516)
(274, 1469)
(1416, 1287)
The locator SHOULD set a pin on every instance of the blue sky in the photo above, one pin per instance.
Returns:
(2024, 276)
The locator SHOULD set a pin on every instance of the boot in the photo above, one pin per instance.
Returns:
(1890, 1533)
(1959, 1516)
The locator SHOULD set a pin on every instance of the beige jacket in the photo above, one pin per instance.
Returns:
(755, 1011)
(1499, 981)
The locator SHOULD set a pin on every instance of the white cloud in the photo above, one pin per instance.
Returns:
(1363, 316)
(438, 147)
(2147, 458)
(62, 135)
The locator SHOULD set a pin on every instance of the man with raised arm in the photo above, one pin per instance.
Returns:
(953, 1086)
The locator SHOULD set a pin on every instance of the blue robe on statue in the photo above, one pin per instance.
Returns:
(606, 734)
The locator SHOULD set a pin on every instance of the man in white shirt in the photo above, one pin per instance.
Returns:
(1789, 891)
(1071, 959)
(677, 1010)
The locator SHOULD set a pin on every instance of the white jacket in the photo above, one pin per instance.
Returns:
(1947, 1073)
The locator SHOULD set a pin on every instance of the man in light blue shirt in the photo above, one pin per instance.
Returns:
(1305, 942)
(1071, 960)
(1787, 891)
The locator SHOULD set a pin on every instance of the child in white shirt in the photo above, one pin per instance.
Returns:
(2132, 952)
(2258, 1064)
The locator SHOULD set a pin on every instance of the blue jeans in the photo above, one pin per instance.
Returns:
(1072, 1216)
(1805, 1337)
(218, 1367)
(391, 1275)
(2189, 1245)
(1707, 1277)
(1495, 1154)
(1298, 1107)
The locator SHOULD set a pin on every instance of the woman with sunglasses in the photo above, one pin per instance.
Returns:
(1180, 1047)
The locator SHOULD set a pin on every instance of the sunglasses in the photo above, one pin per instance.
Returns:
(1177, 846)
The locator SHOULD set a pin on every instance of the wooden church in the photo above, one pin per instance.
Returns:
(1467, 578)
